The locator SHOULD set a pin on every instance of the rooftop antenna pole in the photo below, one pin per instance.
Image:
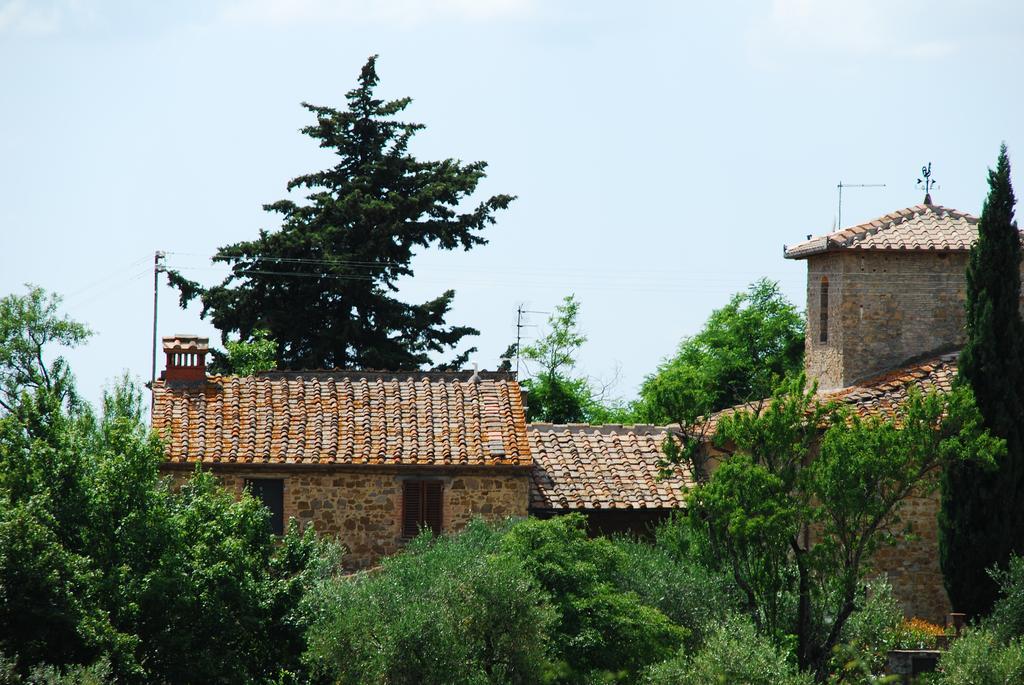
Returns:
(839, 221)
(158, 267)
(520, 310)
(519, 334)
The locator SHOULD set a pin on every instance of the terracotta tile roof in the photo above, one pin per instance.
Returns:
(922, 227)
(600, 467)
(344, 418)
(883, 394)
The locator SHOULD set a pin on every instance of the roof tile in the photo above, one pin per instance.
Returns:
(601, 467)
(922, 227)
(344, 417)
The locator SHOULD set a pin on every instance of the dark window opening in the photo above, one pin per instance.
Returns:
(270, 491)
(421, 506)
(823, 307)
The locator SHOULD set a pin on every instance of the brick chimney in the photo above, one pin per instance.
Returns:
(186, 358)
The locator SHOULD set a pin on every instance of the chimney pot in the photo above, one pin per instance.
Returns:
(186, 358)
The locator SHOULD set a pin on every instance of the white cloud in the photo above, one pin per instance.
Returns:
(405, 12)
(43, 17)
(21, 17)
(864, 28)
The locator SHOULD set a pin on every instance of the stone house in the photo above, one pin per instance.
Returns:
(885, 311)
(372, 456)
(369, 457)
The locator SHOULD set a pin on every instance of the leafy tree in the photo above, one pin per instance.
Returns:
(246, 357)
(324, 284)
(756, 506)
(447, 610)
(29, 325)
(555, 395)
(1007, 619)
(741, 354)
(982, 517)
(100, 560)
(734, 653)
(603, 631)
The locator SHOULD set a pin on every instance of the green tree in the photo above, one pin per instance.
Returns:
(324, 284)
(605, 633)
(756, 506)
(741, 354)
(982, 516)
(101, 560)
(29, 326)
(555, 394)
(448, 610)
(246, 357)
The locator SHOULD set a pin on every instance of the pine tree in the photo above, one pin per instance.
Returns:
(981, 520)
(324, 284)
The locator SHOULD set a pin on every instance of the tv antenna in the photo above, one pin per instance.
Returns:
(519, 330)
(839, 220)
(927, 182)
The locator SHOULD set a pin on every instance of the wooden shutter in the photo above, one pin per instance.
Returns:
(412, 506)
(422, 506)
(270, 491)
(433, 512)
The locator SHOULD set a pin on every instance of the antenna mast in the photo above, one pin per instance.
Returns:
(839, 220)
(519, 329)
(158, 267)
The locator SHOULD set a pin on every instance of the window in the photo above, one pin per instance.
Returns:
(823, 313)
(421, 506)
(270, 491)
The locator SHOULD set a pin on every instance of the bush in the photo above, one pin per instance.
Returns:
(734, 654)
(978, 657)
(603, 632)
(1007, 618)
(916, 633)
(450, 610)
(870, 632)
(687, 592)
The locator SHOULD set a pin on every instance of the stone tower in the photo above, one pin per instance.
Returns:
(884, 292)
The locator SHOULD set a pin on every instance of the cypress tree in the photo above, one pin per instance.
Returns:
(981, 522)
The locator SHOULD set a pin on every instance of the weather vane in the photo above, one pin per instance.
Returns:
(927, 183)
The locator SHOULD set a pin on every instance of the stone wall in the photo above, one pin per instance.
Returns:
(884, 308)
(362, 505)
(912, 566)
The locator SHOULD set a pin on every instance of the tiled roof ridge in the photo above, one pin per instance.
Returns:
(899, 216)
(602, 428)
(852, 236)
(322, 375)
(385, 375)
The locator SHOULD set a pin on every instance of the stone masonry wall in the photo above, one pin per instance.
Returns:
(912, 566)
(362, 506)
(884, 308)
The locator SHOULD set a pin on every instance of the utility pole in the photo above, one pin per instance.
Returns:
(158, 267)
(839, 221)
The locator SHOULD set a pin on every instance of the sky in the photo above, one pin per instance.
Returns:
(662, 153)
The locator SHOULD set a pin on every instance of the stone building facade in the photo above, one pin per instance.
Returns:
(367, 457)
(885, 311)
(362, 506)
(885, 292)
